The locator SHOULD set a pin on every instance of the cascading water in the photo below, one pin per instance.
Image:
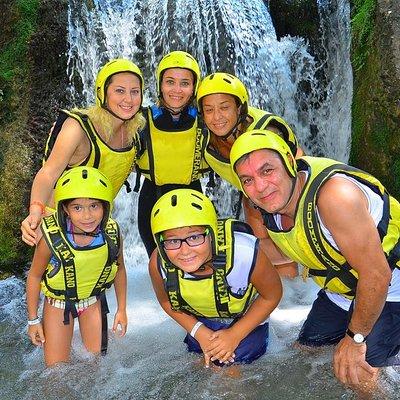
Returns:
(151, 361)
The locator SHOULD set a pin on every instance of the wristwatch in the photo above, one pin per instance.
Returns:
(357, 337)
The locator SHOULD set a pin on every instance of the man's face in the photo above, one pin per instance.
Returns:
(265, 180)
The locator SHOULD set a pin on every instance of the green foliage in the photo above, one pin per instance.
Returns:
(13, 55)
(375, 116)
(362, 27)
(20, 22)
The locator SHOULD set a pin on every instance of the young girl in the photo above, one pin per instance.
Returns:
(211, 277)
(76, 260)
(104, 136)
(172, 141)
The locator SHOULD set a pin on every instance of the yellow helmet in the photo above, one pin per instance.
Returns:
(108, 70)
(262, 139)
(178, 59)
(83, 182)
(285, 129)
(179, 208)
(221, 82)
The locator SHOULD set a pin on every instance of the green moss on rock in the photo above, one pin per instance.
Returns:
(32, 86)
(376, 118)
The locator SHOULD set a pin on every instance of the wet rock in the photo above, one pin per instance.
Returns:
(376, 111)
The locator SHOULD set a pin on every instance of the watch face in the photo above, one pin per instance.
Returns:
(358, 338)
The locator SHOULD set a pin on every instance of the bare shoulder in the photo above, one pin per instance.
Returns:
(338, 191)
(341, 200)
(153, 262)
(72, 128)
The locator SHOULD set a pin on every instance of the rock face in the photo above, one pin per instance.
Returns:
(33, 80)
(376, 102)
(33, 83)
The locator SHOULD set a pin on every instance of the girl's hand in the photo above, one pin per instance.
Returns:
(121, 321)
(222, 346)
(203, 336)
(35, 333)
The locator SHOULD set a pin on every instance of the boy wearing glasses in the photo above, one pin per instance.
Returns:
(212, 278)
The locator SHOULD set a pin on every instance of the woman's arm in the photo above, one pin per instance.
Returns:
(70, 144)
(120, 318)
(40, 261)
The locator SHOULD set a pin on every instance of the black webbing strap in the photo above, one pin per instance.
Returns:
(65, 255)
(261, 121)
(112, 238)
(90, 131)
(174, 294)
(238, 205)
(104, 323)
(70, 308)
(136, 188)
(314, 236)
(219, 265)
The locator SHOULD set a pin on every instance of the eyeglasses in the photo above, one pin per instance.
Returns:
(192, 241)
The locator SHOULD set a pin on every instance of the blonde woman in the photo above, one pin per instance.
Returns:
(104, 136)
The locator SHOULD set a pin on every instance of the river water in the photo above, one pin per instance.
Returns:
(151, 362)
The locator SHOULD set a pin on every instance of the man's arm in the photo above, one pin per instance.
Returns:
(343, 208)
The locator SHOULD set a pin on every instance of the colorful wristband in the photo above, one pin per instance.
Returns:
(38, 203)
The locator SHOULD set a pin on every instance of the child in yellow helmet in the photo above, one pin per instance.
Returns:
(212, 278)
(77, 259)
(104, 136)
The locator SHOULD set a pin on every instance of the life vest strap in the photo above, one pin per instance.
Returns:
(104, 323)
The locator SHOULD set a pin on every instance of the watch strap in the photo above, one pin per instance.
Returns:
(350, 333)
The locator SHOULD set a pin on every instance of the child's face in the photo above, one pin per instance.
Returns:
(85, 214)
(187, 257)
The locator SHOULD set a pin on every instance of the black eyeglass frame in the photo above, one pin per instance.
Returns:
(203, 235)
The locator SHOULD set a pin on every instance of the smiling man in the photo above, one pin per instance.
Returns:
(343, 227)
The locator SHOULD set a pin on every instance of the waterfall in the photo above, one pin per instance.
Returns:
(151, 362)
(226, 35)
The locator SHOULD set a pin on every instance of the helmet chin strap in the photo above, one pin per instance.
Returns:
(294, 180)
(233, 132)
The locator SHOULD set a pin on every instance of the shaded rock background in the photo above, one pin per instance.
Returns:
(376, 98)
(33, 86)
(33, 80)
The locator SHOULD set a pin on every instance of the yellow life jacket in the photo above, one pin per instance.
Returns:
(261, 119)
(83, 272)
(305, 242)
(172, 156)
(210, 296)
(115, 164)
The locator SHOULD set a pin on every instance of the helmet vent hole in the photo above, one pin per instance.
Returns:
(174, 200)
(228, 81)
(103, 183)
(65, 182)
(156, 212)
(84, 174)
(197, 197)
(198, 206)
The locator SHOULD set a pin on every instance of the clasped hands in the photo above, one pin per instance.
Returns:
(218, 345)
